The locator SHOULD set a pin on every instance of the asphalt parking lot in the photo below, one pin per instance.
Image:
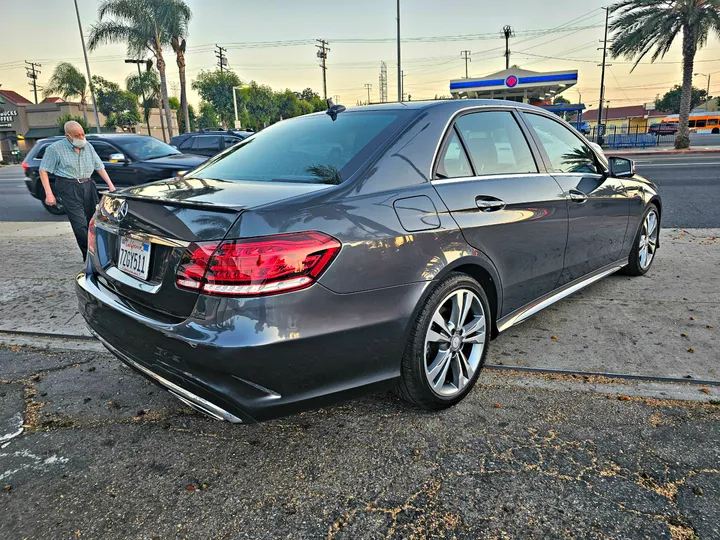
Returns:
(106, 454)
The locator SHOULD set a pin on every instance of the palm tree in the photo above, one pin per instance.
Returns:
(147, 84)
(68, 82)
(143, 25)
(640, 26)
(179, 15)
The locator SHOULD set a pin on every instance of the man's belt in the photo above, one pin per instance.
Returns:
(78, 180)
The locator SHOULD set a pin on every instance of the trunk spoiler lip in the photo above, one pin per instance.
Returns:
(228, 208)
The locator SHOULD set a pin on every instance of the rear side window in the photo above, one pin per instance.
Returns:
(103, 150)
(567, 153)
(455, 163)
(186, 144)
(229, 141)
(309, 149)
(713, 122)
(496, 143)
(210, 143)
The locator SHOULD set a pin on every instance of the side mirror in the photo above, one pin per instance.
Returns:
(622, 167)
(118, 158)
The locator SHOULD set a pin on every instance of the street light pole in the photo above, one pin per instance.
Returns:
(707, 95)
(87, 66)
(237, 120)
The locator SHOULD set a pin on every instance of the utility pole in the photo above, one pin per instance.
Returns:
(602, 77)
(402, 86)
(368, 87)
(87, 67)
(32, 74)
(399, 61)
(383, 83)
(138, 62)
(508, 33)
(322, 55)
(465, 55)
(220, 55)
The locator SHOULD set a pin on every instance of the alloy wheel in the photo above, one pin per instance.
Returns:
(454, 343)
(648, 240)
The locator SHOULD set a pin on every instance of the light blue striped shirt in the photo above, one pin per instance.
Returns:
(61, 159)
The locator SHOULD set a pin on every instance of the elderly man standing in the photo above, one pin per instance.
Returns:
(72, 161)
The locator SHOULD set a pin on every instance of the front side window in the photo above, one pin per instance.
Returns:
(143, 147)
(496, 143)
(230, 141)
(103, 150)
(567, 153)
(309, 149)
(186, 144)
(701, 123)
(713, 122)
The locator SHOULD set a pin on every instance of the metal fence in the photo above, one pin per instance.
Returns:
(624, 137)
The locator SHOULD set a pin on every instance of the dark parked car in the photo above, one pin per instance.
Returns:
(208, 143)
(335, 254)
(664, 128)
(130, 160)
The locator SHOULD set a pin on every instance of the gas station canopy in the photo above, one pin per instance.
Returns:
(516, 85)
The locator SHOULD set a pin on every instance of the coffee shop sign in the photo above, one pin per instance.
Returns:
(7, 117)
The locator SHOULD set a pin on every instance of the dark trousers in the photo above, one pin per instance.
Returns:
(80, 201)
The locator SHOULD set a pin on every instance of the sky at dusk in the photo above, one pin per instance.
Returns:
(259, 37)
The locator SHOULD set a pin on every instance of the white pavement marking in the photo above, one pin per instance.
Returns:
(16, 423)
(688, 164)
(36, 462)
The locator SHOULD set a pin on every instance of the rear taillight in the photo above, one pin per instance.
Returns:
(91, 236)
(257, 266)
(25, 165)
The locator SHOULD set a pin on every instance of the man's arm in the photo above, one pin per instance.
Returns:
(100, 168)
(48, 163)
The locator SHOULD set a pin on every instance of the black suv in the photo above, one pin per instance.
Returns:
(208, 143)
(130, 160)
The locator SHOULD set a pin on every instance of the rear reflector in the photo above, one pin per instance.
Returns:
(91, 236)
(257, 266)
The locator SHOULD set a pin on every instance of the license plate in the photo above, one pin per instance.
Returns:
(134, 257)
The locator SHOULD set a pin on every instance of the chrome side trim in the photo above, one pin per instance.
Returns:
(187, 397)
(488, 177)
(534, 307)
(125, 279)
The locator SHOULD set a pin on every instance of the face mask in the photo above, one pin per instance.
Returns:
(78, 143)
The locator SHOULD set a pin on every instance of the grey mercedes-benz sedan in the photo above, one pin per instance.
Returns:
(354, 250)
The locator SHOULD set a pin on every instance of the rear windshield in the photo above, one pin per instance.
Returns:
(310, 149)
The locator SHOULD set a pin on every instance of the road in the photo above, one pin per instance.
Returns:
(689, 185)
(16, 203)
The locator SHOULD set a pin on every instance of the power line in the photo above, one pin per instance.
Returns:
(32, 74)
(220, 55)
(465, 55)
(322, 55)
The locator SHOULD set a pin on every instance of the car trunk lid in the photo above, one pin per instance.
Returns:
(165, 218)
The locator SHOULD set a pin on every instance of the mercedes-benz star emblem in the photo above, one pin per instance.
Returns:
(122, 212)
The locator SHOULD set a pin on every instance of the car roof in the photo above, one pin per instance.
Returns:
(450, 104)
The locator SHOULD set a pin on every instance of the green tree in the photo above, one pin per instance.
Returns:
(178, 29)
(144, 25)
(176, 105)
(259, 104)
(69, 117)
(308, 95)
(670, 102)
(68, 82)
(559, 100)
(641, 26)
(288, 105)
(216, 87)
(120, 107)
(208, 118)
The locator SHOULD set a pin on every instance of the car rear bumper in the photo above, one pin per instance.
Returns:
(256, 359)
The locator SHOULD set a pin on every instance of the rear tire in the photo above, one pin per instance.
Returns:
(645, 245)
(447, 346)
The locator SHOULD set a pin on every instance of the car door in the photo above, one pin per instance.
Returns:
(506, 205)
(597, 203)
(206, 145)
(120, 172)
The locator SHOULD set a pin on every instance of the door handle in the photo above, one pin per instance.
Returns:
(489, 204)
(577, 196)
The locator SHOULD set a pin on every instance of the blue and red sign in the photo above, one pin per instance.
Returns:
(511, 81)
